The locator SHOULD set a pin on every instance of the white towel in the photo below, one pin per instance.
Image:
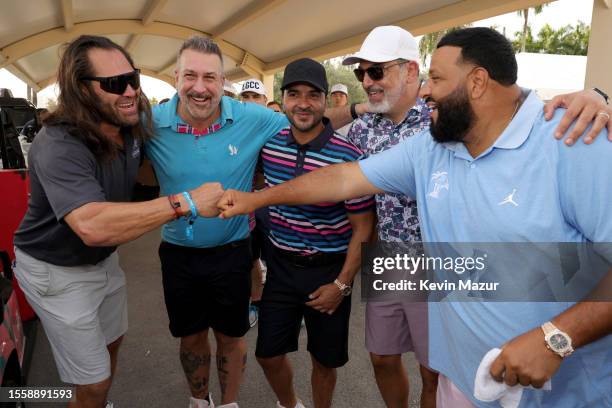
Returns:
(487, 389)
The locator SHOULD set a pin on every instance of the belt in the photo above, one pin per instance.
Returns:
(211, 250)
(317, 259)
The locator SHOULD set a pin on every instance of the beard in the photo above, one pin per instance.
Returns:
(455, 117)
(197, 112)
(109, 114)
(317, 117)
(379, 107)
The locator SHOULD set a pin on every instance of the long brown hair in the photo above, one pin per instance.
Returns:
(78, 105)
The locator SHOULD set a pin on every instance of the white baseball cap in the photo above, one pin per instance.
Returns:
(229, 87)
(386, 43)
(253, 85)
(339, 88)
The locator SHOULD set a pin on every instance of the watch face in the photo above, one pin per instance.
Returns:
(558, 342)
(347, 291)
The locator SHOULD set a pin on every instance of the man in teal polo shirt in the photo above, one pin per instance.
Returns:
(206, 262)
(489, 170)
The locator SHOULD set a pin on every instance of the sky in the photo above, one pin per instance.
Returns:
(557, 14)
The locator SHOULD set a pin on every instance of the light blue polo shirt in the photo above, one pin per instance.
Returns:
(183, 161)
(558, 194)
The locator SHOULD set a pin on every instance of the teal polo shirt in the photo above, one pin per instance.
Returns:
(183, 161)
(527, 187)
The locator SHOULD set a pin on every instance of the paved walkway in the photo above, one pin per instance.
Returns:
(149, 373)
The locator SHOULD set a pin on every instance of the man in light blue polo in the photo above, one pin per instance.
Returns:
(489, 170)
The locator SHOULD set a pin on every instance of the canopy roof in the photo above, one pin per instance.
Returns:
(257, 37)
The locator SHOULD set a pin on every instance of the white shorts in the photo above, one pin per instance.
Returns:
(82, 309)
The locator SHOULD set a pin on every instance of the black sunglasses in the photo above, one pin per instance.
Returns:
(118, 84)
(375, 72)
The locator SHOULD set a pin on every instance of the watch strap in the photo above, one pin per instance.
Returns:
(603, 94)
(176, 205)
(340, 285)
(354, 111)
(548, 327)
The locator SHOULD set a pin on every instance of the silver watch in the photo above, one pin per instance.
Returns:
(344, 288)
(556, 340)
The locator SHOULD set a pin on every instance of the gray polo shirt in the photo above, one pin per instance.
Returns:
(65, 175)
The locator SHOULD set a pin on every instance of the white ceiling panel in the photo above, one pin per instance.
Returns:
(92, 10)
(313, 23)
(202, 15)
(19, 19)
(153, 52)
(42, 64)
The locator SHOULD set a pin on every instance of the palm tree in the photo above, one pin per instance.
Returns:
(525, 14)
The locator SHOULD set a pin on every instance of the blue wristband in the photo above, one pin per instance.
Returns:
(192, 217)
(192, 207)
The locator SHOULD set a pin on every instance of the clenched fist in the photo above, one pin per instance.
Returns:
(236, 202)
(205, 198)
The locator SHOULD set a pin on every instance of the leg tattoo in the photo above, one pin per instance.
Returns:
(223, 373)
(196, 368)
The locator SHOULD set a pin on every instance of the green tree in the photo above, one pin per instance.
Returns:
(525, 14)
(567, 40)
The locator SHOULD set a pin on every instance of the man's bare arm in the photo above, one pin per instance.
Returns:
(526, 359)
(332, 183)
(362, 225)
(109, 224)
(589, 320)
(328, 297)
(342, 115)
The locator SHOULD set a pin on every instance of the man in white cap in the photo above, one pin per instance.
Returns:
(389, 71)
(339, 98)
(339, 95)
(253, 90)
(228, 89)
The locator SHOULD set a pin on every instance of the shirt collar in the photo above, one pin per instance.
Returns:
(514, 135)
(168, 116)
(517, 131)
(318, 142)
(417, 113)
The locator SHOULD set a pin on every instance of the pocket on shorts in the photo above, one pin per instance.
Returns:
(33, 274)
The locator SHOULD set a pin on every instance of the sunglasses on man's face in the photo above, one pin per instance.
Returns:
(118, 84)
(375, 72)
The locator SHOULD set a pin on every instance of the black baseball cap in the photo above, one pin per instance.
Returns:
(305, 70)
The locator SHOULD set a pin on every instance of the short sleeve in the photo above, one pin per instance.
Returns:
(585, 188)
(393, 169)
(66, 171)
(271, 122)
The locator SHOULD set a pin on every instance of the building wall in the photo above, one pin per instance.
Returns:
(599, 65)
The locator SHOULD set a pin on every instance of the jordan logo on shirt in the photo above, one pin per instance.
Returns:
(232, 149)
(509, 199)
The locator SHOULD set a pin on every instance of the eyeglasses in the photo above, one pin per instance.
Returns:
(375, 72)
(118, 84)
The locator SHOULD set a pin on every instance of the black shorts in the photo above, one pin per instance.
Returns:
(207, 287)
(259, 235)
(283, 305)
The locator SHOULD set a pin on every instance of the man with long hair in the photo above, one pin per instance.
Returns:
(83, 165)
